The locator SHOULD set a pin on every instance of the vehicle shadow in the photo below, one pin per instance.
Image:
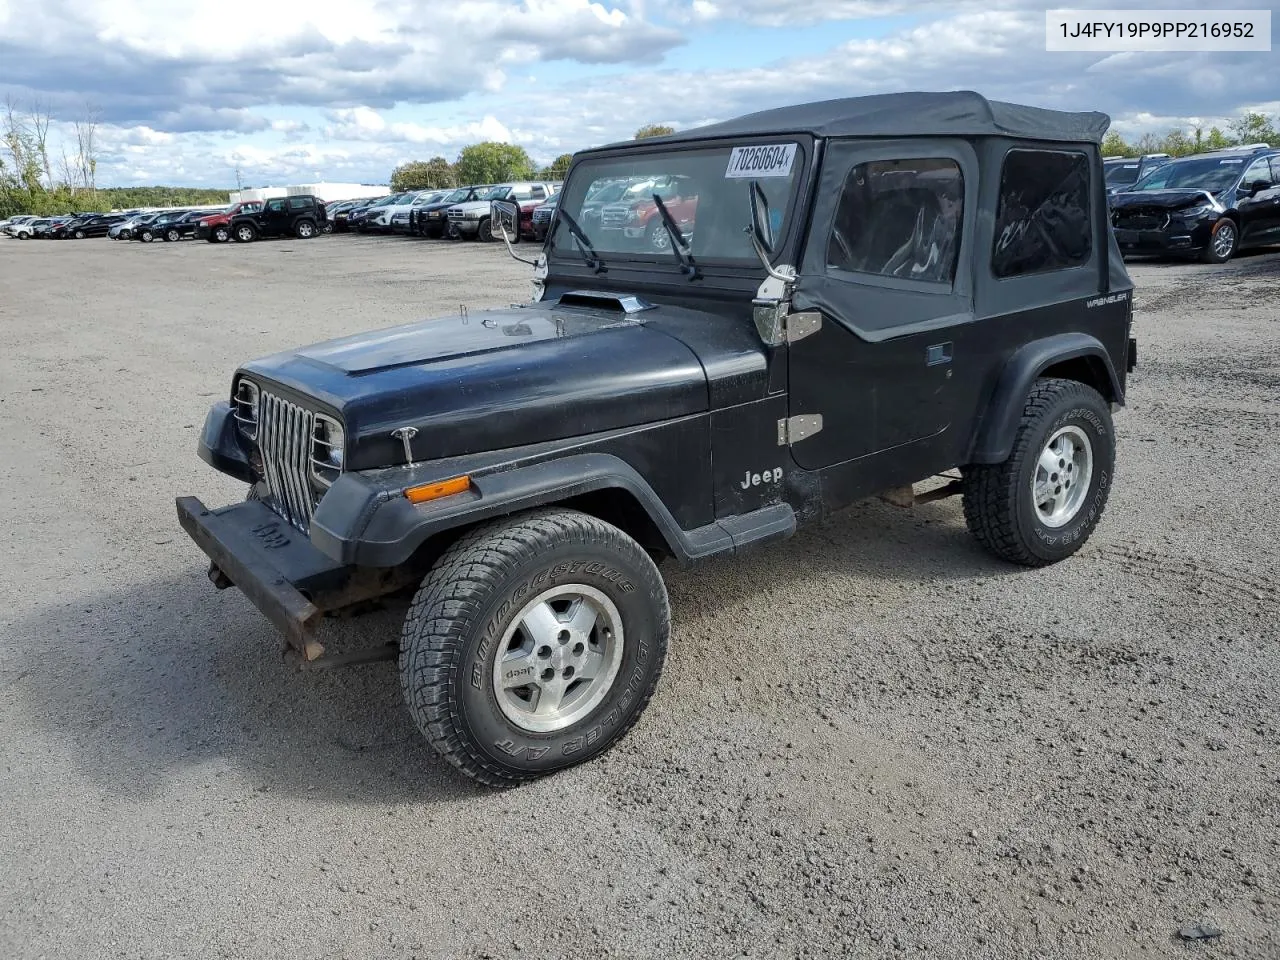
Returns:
(169, 679)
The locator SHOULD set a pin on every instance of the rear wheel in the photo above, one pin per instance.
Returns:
(1043, 502)
(304, 229)
(534, 644)
(244, 233)
(1222, 242)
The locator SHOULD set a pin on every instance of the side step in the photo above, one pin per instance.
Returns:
(907, 496)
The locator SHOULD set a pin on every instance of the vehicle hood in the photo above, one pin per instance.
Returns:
(492, 380)
(1160, 199)
(471, 206)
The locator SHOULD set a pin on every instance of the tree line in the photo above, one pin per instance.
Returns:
(489, 162)
(1250, 128)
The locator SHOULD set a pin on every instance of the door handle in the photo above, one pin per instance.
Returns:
(937, 353)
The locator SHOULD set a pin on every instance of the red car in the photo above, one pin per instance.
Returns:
(216, 228)
(636, 215)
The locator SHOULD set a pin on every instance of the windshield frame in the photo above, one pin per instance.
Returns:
(661, 267)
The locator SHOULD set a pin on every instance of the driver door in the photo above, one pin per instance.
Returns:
(883, 272)
(1260, 210)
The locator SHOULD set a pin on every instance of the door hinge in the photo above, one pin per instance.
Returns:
(794, 429)
(801, 325)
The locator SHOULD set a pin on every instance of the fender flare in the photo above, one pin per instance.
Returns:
(366, 524)
(993, 439)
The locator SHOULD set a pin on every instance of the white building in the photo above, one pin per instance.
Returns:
(328, 192)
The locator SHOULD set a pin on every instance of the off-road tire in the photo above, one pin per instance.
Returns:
(304, 229)
(484, 232)
(465, 604)
(1212, 255)
(997, 498)
(245, 233)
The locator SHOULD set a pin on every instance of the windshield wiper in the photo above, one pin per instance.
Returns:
(684, 258)
(588, 252)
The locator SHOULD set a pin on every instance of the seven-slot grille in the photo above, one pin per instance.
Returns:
(455, 213)
(1141, 218)
(615, 215)
(285, 433)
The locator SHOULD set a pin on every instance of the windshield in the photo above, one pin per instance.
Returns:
(704, 190)
(1209, 174)
(493, 193)
(458, 195)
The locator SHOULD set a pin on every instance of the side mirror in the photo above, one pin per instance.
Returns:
(1257, 186)
(504, 222)
(760, 219)
(504, 219)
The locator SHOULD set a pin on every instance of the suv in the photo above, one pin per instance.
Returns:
(216, 227)
(1210, 205)
(471, 219)
(880, 290)
(1122, 172)
(301, 216)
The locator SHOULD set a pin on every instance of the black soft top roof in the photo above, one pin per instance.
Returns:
(961, 113)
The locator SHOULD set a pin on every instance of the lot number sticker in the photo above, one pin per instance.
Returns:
(765, 160)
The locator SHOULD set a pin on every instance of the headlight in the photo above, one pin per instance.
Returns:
(244, 407)
(433, 213)
(1196, 212)
(327, 447)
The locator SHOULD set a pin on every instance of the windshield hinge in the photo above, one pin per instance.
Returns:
(801, 325)
(792, 430)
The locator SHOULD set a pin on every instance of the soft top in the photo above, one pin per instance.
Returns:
(960, 113)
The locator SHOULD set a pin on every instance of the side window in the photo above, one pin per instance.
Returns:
(1042, 221)
(900, 218)
(299, 203)
(275, 206)
(539, 193)
(1260, 169)
(521, 194)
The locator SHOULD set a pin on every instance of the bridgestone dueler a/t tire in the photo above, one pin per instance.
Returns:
(463, 608)
(998, 504)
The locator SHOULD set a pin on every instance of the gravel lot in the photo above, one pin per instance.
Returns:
(870, 740)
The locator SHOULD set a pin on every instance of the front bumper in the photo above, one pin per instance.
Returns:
(466, 227)
(1176, 238)
(274, 565)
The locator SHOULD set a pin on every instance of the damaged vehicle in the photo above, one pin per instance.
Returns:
(908, 295)
(1210, 206)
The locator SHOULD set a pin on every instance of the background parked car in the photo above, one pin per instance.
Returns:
(1210, 205)
(1122, 172)
(27, 228)
(302, 217)
(94, 226)
(432, 219)
(402, 215)
(471, 219)
(216, 227)
(19, 226)
(342, 219)
(156, 228)
(540, 219)
(125, 229)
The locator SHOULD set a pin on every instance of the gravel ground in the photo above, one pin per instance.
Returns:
(870, 740)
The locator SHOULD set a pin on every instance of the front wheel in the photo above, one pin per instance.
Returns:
(245, 233)
(484, 233)
(79, 234)
(534, 644)
(147, 236)
(221, 235)
(1043, 502)
(1222, 242)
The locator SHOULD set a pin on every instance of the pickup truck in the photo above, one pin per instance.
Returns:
(471, 219)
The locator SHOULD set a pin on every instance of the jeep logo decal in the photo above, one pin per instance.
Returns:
(750, 480)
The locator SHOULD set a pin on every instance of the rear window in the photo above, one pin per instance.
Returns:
(1042, 222)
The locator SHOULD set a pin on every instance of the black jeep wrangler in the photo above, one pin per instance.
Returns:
(302, 216)
(862, 295)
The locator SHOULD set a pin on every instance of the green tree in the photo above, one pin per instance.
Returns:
(1114, 146)
(1217, 140)
(434, 174)
(1177, 144)
(492, 162)
(1254, 128)
(654, 130)
(558, 168)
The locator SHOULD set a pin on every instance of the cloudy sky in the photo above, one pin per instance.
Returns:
(298, 90)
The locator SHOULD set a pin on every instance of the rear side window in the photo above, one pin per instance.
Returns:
(900, 218)
(300, 203)
(1042, 222)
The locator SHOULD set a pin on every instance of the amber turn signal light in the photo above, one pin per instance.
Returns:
(434, 491)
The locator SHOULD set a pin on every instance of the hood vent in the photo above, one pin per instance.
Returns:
(625, 302)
